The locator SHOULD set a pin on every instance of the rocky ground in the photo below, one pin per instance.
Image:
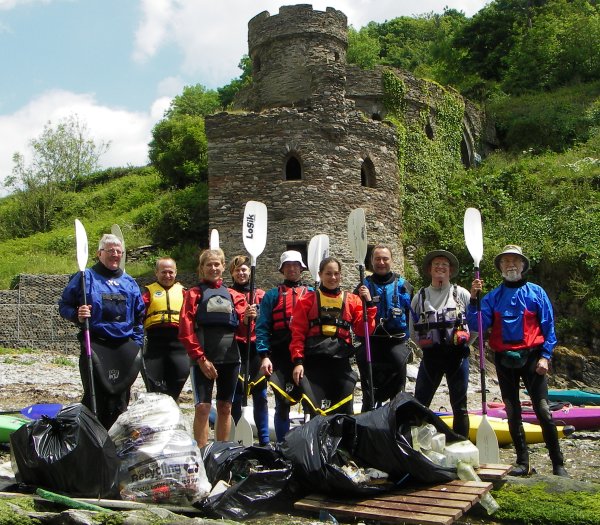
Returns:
(52, 377)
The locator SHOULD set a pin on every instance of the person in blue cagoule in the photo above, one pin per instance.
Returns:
(522, 337)
(115, 311)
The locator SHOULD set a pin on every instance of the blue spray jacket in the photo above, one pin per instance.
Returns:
(520, 316)
(117, 305)
(392, 295)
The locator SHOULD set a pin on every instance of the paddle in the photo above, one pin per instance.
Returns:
(214, 239)
(486, 440)
(82, 259)
(318, 249)
(357, 237)
(254, 234)
(116, 231)
(36, 411)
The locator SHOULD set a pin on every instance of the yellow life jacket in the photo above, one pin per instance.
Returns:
(164, 305)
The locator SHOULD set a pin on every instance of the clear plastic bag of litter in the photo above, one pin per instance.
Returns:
(160, 462)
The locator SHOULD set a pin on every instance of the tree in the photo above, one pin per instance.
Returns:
(61, 155)
(561, 47)
(228, 92)
(178, 146)
(178, 150)
(363, 49)
(194, 100)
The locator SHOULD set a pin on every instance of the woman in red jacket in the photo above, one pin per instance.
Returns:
(208, 321)
(321, 345)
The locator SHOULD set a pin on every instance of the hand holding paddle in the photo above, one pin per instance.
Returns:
(82, 258)
(486, 441)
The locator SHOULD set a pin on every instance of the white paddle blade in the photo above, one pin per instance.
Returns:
(357, 235)
(487, 442)
(318, 249)
(116, 231)
(254, 228)
(82, 245)
(214, 239)
(243, 432)
(474, 234)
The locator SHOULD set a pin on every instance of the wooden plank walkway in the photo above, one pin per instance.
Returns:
(440, 504)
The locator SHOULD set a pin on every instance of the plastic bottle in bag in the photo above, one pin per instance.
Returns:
(467, 473)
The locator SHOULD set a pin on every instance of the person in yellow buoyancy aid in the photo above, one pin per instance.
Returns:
(166, 364)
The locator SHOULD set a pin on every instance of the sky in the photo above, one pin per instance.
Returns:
(116, 64)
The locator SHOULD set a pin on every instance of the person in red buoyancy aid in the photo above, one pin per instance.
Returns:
(322, 344)
(209, 318)
(273, 337)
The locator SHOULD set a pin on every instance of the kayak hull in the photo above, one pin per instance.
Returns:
(8, 424)
(533, 433)
(580, 417)
(575, 397)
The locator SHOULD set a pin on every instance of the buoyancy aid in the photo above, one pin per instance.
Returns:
(164, 306)
(282, 313)
(216, 307)
(438, 327)
(393, 301)
(331, 316)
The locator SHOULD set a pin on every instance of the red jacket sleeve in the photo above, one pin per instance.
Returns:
(300, 325)
(358, 324)
(187, 324)
(241, 333)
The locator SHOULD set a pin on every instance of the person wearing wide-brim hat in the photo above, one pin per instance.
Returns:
(522, 337)
(438, 326)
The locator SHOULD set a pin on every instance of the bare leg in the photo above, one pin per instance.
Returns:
(202, 410)
(224, 417)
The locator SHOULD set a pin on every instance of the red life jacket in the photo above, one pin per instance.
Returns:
(282, 313)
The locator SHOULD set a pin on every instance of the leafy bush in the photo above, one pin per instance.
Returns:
(181, 214)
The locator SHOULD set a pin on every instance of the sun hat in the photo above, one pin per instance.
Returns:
(512, 249)
(291, 256)
(441, 253)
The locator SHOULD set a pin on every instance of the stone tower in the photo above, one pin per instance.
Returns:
(299, 145)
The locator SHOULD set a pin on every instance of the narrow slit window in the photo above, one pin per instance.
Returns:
(367, 174)
(293, 168)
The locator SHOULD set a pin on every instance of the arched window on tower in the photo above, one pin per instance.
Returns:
(367, 174)
(293, 168)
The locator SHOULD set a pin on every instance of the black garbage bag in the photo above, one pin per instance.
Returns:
(319, 450)
(71, 454)
(257, 479)
(322, 449)
(383, 440)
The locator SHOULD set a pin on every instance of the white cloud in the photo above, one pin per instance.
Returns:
(5, 5)
(128, 132)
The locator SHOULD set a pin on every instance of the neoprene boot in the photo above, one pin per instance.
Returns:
(522, 467)
(558, 463)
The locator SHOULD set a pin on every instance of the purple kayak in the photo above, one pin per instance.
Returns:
(581, 417)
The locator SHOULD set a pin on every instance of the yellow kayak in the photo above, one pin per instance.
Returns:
(533, 433)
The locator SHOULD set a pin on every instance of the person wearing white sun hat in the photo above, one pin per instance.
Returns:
(522, 337)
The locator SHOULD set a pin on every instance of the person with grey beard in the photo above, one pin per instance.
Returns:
(522, 337)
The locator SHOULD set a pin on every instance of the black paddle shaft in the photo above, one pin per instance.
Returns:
(248, 339)
(481, 348)
(86, 335)
(361, 272)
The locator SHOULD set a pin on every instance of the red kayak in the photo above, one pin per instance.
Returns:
(581, 417)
